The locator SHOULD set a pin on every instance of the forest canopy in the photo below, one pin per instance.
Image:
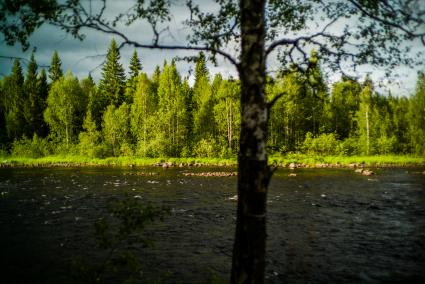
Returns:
(161, 115)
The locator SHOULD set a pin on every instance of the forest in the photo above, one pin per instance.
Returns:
(46, 113)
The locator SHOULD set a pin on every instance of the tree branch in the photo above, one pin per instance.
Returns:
(390, 23)
(271, 103)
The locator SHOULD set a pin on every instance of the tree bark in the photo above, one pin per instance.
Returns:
(248, 263)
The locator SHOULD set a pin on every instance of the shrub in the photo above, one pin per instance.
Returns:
(349, 147)
(31, 148)
(206, 148)
(325, 144)
(385, 144)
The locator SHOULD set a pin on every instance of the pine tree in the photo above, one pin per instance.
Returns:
(13, 101)
(135, 65)
(33, 104)
(112, 83)
(94, 100)
(200, 69)
(55, 71)
(317, 97)
(41, 128)
(203, 108)
(90, 137)
(155, 78)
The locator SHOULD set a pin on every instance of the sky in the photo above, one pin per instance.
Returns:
(82, 57)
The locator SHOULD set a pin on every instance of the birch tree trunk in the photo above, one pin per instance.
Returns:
(248, 263)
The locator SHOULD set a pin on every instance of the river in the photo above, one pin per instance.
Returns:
(324, 225)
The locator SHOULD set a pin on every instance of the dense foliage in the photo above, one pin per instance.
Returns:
(162, 116)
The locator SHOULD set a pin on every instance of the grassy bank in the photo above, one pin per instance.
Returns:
(347, 161)
(283, 161)
(110, 162)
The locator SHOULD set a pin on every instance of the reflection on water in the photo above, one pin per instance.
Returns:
(327, 225)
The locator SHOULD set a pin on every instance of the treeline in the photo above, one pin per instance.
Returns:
(163, 116)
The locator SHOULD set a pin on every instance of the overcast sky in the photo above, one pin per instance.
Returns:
(86, 56)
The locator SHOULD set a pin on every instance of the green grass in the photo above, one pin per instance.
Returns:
(281, 160)
(381, 160)
(111, 161)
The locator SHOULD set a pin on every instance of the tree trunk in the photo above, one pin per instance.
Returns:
(367, 131)
(248, 263)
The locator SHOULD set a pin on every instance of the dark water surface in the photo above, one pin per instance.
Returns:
(324, 226)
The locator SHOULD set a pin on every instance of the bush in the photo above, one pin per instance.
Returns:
(206, 148)
(385, 145)
(31, 148)
(325, 144)
(349, 147)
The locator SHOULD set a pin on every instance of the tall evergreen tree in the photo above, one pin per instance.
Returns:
(90, 137)
(203, 110)
(317, 96)
(13, 102)
(112, 83)
(55, 69)
(33, 105)
(41, 128)
(135, 65)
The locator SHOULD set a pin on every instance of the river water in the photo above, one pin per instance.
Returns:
(324, 225)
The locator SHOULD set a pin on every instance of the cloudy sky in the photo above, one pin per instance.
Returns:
(82, 57)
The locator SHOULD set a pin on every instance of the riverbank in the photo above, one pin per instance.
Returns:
(289, 161)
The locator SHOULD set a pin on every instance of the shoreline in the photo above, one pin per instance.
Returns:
(284, 162)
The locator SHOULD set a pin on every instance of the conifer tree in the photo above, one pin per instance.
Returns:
(203, 110)
(188, 120)
(155, 78)
(112, 83)
(200, 69)
(135, 65)
(41, 128)
(13, 102)
(317, 96)
(55, 71)
(90, 137)
(33, 104)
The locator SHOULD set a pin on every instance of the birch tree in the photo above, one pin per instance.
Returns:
(346, 33)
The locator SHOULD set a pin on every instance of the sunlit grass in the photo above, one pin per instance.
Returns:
(280, 160)
(110, 161)
(381, 160)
